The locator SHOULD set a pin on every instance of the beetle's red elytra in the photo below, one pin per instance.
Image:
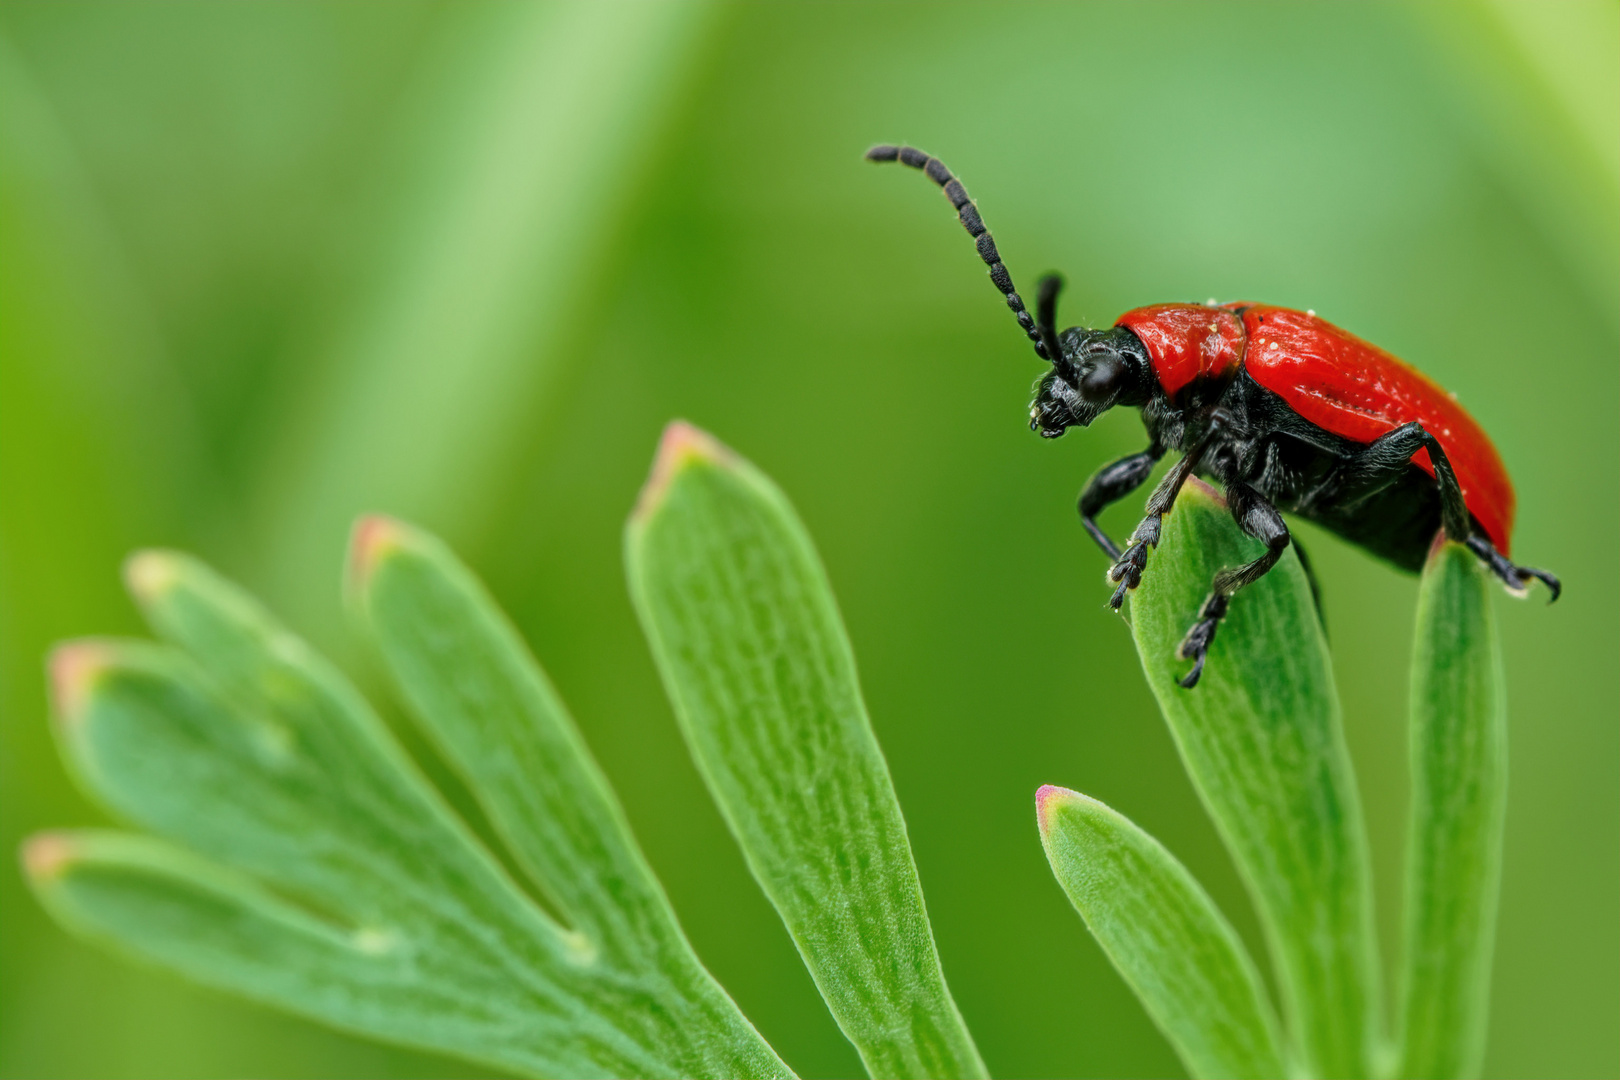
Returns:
(1332, 378)
(1285, 410)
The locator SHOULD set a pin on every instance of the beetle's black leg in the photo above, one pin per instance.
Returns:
(1256, 516)
(1453, 508)
(968, 214)
(1391, 452)
(1108, 485)
(1127, 569)
(1516, 578)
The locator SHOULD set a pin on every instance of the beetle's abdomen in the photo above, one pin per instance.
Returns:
(1187, 342)
(1358, 391)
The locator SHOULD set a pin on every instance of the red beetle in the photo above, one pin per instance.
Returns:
(1283, 408)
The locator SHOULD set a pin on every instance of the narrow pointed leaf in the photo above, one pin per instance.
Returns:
(154, 900)
(743, 625)
(1459, 800)
(241, 745)
(1165, 936)
(490, 708)
(1262, 739)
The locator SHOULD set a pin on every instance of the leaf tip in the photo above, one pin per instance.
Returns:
(74, 669)
(1199, 491)
(1047, 801)
(1442, 548)
(681, 446)
(46, 855)
(374, 536)
(150, 574)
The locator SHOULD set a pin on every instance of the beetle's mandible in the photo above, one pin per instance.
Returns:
(1284, 409)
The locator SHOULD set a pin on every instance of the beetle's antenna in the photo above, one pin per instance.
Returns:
(1045, 348)
(1046, 296)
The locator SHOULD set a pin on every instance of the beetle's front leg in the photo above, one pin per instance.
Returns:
(1127, 569)
(1256, 516)
(1111, 483)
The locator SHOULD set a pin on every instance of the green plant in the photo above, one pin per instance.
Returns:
(1262, 740)
(295, 853)
(302, 859)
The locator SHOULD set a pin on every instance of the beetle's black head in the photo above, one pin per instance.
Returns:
(1097, 370)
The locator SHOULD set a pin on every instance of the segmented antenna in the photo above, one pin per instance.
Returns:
(969, 216)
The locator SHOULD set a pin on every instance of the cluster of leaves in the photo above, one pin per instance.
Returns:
(1262, 740)
(294, 853)
(301, 858)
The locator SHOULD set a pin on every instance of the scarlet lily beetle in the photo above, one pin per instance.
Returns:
(1284, 409)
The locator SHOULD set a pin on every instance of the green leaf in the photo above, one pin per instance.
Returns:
(1459, 799)
(1165, 936)
(1262, 740)
(159, 902)
(748, 638)
(308, 827)
(494, 715)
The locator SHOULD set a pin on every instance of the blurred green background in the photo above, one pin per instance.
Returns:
(264, 266)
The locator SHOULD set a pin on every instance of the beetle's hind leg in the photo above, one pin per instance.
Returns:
(1516, 578)
(1391, 452)
(1256, 516)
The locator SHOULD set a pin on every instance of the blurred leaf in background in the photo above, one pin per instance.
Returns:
(264, 266)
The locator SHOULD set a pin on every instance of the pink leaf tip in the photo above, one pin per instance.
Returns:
(1047, 800)
(375, 535)
(74, 668)
(681, 445)
(45, 855)
(1195, 488)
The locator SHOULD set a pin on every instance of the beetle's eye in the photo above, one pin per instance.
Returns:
(1101, 380)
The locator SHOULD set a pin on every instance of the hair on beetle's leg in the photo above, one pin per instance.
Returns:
(1256, 516)
(968, 214)
(1108, 485)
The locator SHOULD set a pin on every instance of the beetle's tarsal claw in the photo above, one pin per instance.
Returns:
(1516, 578)
(1190, 680)
(1554, 586)
(1128, 571)
(1195, 646)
